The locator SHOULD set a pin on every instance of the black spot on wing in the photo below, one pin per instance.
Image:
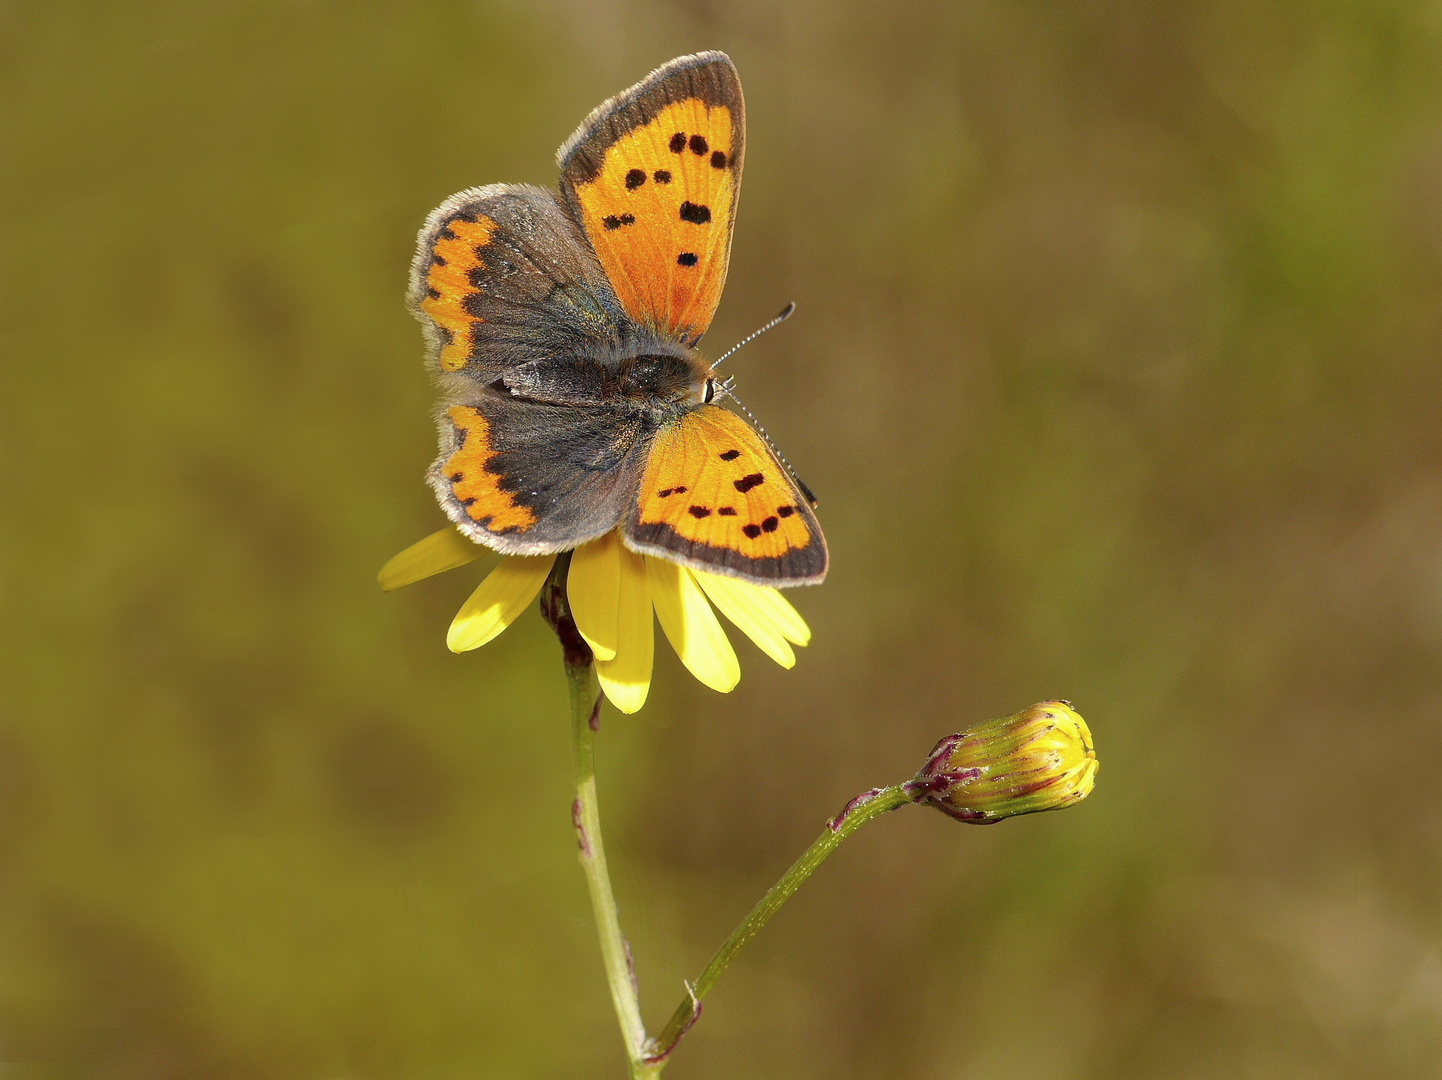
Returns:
(700, 511)
(692, 212)
(678, 142)
(731, 455)
(727, 511)
(771, 524)
(718, 159)
(687, 258)
(666, 493)
(746, 483)
(613, 221)
(634, 179)
(752, 531)
(699, 146)
(786, 511)
(662, 176)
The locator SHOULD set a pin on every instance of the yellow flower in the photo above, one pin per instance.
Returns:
(612, 592)
(1041, 758)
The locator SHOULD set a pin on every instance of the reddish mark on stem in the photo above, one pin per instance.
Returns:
(556, 610)
(666, 1052)
(631, 967)
(578, 820)
(855, 804)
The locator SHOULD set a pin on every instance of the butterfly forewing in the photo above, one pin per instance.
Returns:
(715, 498)
(652, 177)
(502, 277)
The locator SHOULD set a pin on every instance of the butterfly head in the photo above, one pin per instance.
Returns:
(716, 388)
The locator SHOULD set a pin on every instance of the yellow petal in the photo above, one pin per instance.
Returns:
(691, 625)
(593, 587)
(782, 615)
(437, 553)
(627, 679)
(498, 600)
(738, 603)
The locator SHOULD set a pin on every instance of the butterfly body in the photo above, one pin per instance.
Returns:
(660, 383)
(562, 329)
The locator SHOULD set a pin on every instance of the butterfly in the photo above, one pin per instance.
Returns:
(562, 329)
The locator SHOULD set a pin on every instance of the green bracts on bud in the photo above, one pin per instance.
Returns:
(1038, 759)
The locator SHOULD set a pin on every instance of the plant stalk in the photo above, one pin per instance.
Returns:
(647, 1057)
(586, 702)
(586, 816)
(854, 815)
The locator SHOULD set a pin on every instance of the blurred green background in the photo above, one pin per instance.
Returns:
(1116, 368)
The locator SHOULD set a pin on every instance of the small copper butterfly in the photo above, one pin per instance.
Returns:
(563, 327)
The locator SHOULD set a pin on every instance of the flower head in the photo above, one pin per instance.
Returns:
(612, 593)
(1041, 758)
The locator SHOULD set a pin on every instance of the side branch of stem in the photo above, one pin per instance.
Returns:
(855, 814)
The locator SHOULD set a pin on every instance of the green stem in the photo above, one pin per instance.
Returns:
(856, 814)
(586, 704)
(586, 814)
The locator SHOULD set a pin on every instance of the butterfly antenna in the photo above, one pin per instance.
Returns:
(786, 313)
(727, 388)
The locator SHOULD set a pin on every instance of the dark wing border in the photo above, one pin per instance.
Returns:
(710, 76)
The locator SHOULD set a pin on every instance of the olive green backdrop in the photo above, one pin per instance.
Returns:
(1116, 367)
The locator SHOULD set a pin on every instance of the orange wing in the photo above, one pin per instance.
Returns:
(715, 498)
(652, 176)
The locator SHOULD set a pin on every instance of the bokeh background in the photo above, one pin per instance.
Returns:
(1116, 368)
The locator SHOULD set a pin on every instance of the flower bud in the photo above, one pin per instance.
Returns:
(1038, 759)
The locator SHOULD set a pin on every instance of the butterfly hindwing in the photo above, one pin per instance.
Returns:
(652, 178)
(502, 277)
(715, 498)
(529, 478)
